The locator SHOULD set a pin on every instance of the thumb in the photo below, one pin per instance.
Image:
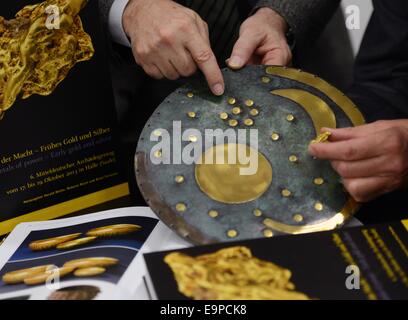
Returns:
(243, 51)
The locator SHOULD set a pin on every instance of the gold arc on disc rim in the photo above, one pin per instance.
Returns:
(318, 110)
(344, 103)
(232, 187)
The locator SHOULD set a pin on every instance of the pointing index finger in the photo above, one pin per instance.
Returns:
(205, 59)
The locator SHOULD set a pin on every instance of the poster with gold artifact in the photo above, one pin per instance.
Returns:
(360, 263)
(58, 153)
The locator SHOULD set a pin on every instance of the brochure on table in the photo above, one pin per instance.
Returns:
(122, 280)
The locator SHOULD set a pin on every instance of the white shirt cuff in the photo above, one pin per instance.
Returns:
(115, 22)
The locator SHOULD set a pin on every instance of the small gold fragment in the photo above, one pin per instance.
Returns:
(224, 115)
(286, 193)
(75, 243)
(213, 213)
(265, 80)
(254, 112)
(249, 122)
(318, 181)
(181, 207)
(89, 272)
(190, 94)
(298, 218)
(193, 138)
(293, 159)
(113, 230)
(290, 117)
(191, 114)
(268, 233)
(18, 276)
(179, 179)
(249, 103)
(232, 101)
(233, 123)
(232, 233)
(257, 213)
(236, 110)
(321, 138)
(157, 133)
(275, 136)
(91, 262)
(50, 243)
(158, 154)
(51, 274)
(318, 206)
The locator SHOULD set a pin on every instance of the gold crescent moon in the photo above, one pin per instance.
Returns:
(334, 94)
(320, 112)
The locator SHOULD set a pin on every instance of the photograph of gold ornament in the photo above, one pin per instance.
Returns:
(35, 58)
(18, 276)
(113, 230)
(71, 241)
(85, 267)
(231, 273)
(50, 243)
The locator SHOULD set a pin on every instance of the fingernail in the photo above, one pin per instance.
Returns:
(235, 62)
(218, 89)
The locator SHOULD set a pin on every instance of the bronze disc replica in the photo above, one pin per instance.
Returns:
(274, 113)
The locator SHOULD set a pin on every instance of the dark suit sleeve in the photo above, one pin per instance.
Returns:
(104, 8)
(381, 73)
(306, 18)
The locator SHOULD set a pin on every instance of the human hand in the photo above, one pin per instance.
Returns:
(371, 159)
(171, 41)
(262, 40)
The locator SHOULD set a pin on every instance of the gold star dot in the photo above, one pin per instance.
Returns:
(213, 213)
(157, 133)
(286, 193)
(318, 206)
(318, 181)
(224, 115)
(298, 218)
(275, 136)
(249, 122)
(236, 110)
(158, 154)
(268, 233)
(249, 103)
(181, 207)
(179, 179)
(293, 159)
(265, 80)
(290, 117)
(190, 94)
(191, 114)
(233, 123)
(192, 138)
(232, 101)
(254, 112)
(257, 213)
(232, 233)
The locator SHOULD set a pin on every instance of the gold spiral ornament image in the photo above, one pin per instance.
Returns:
(35, 58)
(231, 274)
